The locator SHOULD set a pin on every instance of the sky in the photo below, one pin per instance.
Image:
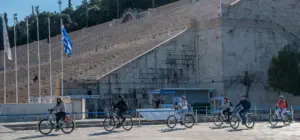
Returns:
(23, 7)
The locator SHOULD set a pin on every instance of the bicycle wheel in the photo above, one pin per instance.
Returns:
(250, 121)
(234, 122)
(171, 121)
(287, 119)
(67, 127)
(189, 121)
(273, 119)
(128, 123)
(109, 123)
(45, 126)
(218, 119)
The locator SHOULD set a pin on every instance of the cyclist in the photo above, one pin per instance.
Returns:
(227, 108)
(122, 106)
(246, 107)
(282, 105)
(61, 111)
(183, 108)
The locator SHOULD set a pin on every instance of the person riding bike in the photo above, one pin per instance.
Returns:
(246, 107)
(60, 111)
(282, 105)
(183, 108)
(122, 106)
(227, 108)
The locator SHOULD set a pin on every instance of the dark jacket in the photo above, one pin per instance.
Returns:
(245, 103)
(121, 105)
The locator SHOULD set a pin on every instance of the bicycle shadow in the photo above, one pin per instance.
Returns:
(38, 136)
(104, 133)
(275, 127)
(171, 130)
(7, 132)
(219, 127)
(237, 130)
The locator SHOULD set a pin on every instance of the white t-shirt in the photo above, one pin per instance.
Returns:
(184, 105)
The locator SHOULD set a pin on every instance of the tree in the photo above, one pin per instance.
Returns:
(70, 4)
(37, 10)
(284, 71)
(32, 10)
(87, 14)
(247, 80)
(5, 18)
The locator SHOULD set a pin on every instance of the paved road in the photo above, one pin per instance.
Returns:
(203, 131)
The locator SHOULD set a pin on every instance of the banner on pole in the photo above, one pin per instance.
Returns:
(6, 40)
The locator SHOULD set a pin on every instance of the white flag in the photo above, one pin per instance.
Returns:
(6, 40)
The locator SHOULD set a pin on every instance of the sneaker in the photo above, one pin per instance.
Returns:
(181, 123)
(56, 129)
(243, 123)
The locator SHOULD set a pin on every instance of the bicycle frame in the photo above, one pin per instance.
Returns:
(236, 112)
(279, 113)
(50, 117)
(177, 114)
(113, 114)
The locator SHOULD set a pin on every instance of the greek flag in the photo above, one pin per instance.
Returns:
(6, 40)
(66, 41)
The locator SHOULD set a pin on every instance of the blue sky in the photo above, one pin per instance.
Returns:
(23, 7)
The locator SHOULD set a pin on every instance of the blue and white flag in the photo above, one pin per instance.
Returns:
(66, 41)
(6, 40)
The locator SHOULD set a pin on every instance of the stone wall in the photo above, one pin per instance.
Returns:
(171, 65)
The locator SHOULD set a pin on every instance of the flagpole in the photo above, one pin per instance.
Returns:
(4, 88)
(4, 83)
(4, 63)
(62, 52)
(28, 61)
(39, 58)
(50, 60)
(16, 62)
(62, 62)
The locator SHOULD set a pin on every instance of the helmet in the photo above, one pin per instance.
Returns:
(183, 97)
(281, 96)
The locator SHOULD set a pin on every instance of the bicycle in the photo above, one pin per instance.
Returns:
(63, 124)
(236, 118)
(111, 119)
(273, 118)
(188, 118)
(220, 117)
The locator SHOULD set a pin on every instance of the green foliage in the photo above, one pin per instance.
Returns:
(86, 15)
(284, 72)
(69, 3)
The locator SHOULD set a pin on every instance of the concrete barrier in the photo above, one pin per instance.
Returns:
(27, 112)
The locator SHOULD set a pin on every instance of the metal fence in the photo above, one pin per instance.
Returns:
(203, 111)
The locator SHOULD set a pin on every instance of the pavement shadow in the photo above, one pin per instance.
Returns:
(219, 127)
(38, 136)
(7, 132)
(236, 130)
(171, 130)
(104, 133)
(275, 127)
